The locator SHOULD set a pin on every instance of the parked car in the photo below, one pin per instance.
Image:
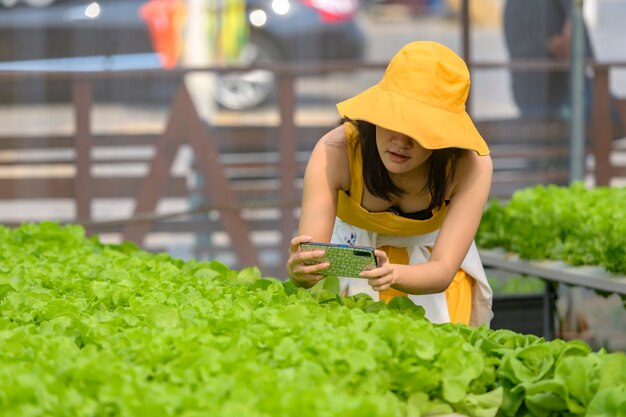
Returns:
(81, 34)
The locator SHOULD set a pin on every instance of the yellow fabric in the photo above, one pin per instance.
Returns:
(458, 294)
(459, 298)
(421, 95)
(349, 207)
(386, 223)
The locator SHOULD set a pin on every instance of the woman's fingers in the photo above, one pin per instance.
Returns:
(380, 278)
(311, 254)
(381, 257)
(376, 272)
(311, 269)
(295, 242)
(296, 267)
(379, 282)
(296, 259)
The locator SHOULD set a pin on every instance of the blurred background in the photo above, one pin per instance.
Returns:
(185, 125)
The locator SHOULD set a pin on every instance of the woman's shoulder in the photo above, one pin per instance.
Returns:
(472, 169)
(471, 161)
(334, 144)
(332, 151)
(336, 138)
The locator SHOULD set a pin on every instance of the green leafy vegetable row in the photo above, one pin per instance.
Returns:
(574, 224)
(108, 330)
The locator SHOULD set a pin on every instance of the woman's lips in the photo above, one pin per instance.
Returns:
(398, 158)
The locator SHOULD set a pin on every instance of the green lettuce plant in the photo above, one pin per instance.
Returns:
(574, 224)
(109, 330)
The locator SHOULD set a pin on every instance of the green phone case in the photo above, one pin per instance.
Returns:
(345, 261)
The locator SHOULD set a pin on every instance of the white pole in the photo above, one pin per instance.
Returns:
(577, 123)
(198, 52)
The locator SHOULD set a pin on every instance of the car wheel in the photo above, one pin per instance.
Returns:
(247, 90)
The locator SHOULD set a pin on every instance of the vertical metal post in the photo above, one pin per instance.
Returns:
(196, 199)
(465, 41)
(549, 312)
(577, 123)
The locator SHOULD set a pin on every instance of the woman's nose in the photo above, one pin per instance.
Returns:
(401, 140)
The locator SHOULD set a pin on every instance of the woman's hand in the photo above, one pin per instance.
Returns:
(382, 277)
(304, 275)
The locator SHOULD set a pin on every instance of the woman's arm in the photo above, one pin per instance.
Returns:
(470, 192)
(326, 173)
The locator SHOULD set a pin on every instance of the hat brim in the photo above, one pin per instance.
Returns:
(431, 127)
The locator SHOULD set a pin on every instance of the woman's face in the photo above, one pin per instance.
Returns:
(400, 153)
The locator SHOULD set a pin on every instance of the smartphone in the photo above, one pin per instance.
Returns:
(345, 260)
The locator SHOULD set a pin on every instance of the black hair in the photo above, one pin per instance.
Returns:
(442, 166)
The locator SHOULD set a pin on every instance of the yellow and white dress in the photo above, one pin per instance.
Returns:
(467, 300)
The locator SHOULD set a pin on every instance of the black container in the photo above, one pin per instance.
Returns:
(520, 313)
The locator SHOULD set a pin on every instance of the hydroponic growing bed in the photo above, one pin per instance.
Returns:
(564, 235)
(108, 330)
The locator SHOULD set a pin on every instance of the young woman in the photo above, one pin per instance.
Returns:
(406, 172)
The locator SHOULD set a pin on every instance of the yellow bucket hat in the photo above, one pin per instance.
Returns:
(421, 95)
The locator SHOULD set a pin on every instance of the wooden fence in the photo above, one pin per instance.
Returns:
(248, 168)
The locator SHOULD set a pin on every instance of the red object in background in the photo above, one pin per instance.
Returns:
(165, 19)
(333, 10)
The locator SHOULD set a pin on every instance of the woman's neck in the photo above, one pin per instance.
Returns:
(412, 182)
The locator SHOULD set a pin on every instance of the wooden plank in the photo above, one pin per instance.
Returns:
(175, 227)
(228, 138)
(529, 130)
(127, 187)
(191, 226)
(619, 171)
(121, 187)
(265, 137)
(82, 148)
(268, 167)
(217, 186)
(151, 187)
(534, 177)
(528, 152)
(40, 162)
(185, 126)
(259, 137)
(288, 166)
(35, 142)
(57, 188)
(601, 123)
